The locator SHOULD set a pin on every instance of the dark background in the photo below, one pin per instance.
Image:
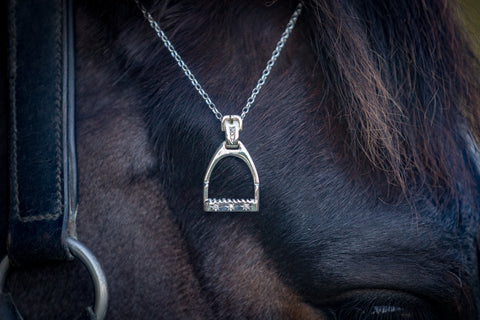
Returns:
(470, 12)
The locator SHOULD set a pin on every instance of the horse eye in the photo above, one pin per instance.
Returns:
(379, 312)
(391, 312)
(386, 305)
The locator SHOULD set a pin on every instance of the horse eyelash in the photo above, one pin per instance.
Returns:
(373, 310)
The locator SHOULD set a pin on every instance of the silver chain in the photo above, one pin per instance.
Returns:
(194, 81)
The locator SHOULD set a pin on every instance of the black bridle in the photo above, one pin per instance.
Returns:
(43, 165)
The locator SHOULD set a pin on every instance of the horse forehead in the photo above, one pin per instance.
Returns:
(318, 215)
(284, 115)
(307, 154)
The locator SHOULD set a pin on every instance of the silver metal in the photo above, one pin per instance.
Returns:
(4, 266)
(96, 273)
(270, 63)
(81, 252)
(231, 205)
(232, 126)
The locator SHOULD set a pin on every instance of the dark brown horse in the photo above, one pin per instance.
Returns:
(363, 137)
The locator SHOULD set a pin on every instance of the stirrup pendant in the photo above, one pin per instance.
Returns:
(231, 147)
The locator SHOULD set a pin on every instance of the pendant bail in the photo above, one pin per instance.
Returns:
(232, 126)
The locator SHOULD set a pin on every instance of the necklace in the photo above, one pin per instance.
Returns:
(230, 124)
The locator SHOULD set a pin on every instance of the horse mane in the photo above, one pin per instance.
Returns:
(404, 79)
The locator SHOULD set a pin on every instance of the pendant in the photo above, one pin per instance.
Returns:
(231, 147)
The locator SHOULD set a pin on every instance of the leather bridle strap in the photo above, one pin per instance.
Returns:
(42, 143)
(43, 172)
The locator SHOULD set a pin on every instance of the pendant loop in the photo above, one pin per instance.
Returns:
(231, 147)
(232, 126)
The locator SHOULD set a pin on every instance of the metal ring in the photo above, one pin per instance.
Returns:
(4, 266)
(96, 273)
(81, 252)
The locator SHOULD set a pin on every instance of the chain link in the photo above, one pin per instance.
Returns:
(194, 81)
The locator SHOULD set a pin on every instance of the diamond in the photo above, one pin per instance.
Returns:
(246, 207)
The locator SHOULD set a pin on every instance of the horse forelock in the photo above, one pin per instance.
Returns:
(401, 75)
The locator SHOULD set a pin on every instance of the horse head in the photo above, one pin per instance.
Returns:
(360, 136)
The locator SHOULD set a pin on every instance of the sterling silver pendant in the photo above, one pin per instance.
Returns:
(231, 147)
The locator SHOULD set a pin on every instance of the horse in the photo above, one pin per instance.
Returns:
(364, 138)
